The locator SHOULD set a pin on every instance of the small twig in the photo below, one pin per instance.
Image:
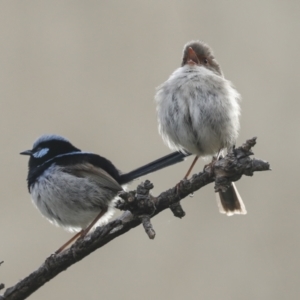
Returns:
(146, 221)
(177, 210)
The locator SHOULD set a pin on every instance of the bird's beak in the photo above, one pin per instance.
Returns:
(27, 152)
(192, 58)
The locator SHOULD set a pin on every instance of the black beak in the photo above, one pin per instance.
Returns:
(27, 152)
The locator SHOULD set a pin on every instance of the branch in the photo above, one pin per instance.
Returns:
(139, 208)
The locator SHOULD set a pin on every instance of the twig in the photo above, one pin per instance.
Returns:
(177, 210)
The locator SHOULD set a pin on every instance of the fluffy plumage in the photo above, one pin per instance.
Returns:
(198, 112)
(71, 187)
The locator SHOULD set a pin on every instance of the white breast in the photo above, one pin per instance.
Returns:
(70, 201)
(198, 111)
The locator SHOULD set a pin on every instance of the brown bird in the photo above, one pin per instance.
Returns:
(198, 112)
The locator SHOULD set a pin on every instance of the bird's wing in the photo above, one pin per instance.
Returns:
(96, 174)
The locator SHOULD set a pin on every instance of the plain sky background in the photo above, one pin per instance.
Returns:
(87, 70)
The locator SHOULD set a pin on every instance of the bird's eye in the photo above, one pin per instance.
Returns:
(40, 152)
(205, 61)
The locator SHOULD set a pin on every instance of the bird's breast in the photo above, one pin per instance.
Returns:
(67, 200)
(197, 111)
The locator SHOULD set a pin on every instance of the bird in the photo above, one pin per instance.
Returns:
(198, 112)
(74, 189)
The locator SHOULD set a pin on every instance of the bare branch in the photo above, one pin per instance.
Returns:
(140, 207)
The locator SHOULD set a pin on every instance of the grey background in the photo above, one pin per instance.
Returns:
(88, 70)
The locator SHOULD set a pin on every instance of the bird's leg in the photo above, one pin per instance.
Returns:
(219, 155)
(75, 237)
(214, 160)
(188, 172)
(191, 167)
(100, 215)
(83, 232)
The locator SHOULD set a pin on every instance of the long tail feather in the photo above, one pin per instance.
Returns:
(230, 202)
(156, 165)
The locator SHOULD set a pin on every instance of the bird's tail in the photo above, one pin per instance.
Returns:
(230, 202)
(156, 165)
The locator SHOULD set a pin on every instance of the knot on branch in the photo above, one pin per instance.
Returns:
(139, 202)
(146, 221)
(177, 210)
(236, 164)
